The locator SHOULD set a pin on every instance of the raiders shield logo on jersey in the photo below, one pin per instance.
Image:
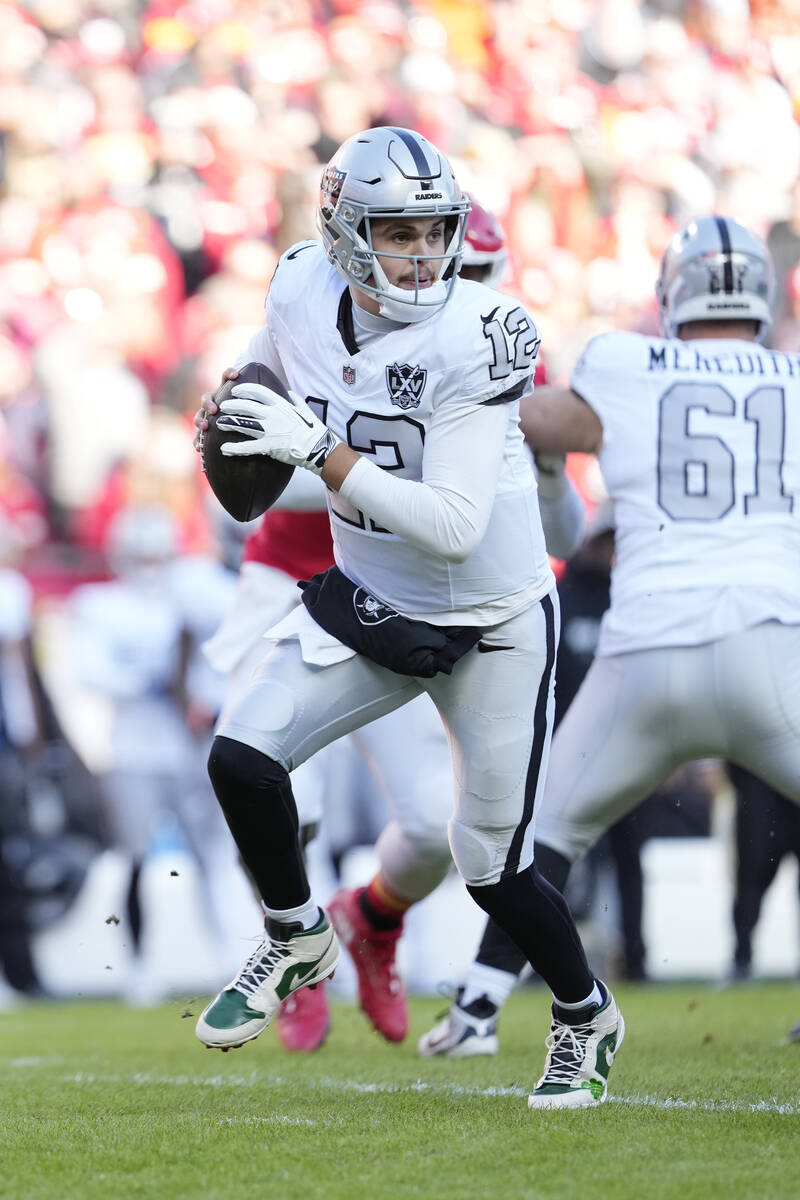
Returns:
(406, 384)
(370, 610)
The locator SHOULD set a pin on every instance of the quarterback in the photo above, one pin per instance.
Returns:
(292, 543)
(698, 438)
(405, 384)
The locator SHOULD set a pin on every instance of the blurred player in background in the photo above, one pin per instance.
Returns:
(485, 257)
(132, 640)
(423, 373)
(698, 437)
(767, 831)
(294, 542)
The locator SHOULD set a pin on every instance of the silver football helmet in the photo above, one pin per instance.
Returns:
(381, 173)
(715, 269)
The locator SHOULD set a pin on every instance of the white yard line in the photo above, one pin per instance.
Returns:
(262, 1080)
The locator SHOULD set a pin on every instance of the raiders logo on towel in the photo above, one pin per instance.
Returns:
(406, 384)
(361, 621)
(370, 610)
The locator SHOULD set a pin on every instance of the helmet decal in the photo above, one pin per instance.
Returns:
(331, 186)
(423, 169)
(727, 265)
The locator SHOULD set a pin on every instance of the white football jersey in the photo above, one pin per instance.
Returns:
(384, 400)
(701, 456)
(124, 648)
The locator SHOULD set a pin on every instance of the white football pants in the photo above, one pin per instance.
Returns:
(414, 794)
(497, 706)
(639, 716)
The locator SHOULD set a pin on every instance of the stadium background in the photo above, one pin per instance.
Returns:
(156, 159)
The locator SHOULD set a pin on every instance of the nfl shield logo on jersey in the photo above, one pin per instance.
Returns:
(406, 384)
(349, 374)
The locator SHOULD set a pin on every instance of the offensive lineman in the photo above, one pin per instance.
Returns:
(434, 516)
(698, 437)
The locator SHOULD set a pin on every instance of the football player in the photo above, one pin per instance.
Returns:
(698, 438)
(292, 543)
(157, 702)
(405, 385)
(485, 257)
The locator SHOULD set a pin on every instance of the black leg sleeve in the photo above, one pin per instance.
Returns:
(758, 855)
(497, 949)
(536, 917)
(16, 958)
(500, 951)
(626, 847)
(552, 866)
(133, 904)
(255, 795)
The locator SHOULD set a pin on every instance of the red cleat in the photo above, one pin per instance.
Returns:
(381, 994)
(303, 1019)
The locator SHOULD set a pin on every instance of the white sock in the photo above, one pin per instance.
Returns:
(595, 997)
(491, 982)
(308, 914)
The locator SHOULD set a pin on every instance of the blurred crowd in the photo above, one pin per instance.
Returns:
(156, 158)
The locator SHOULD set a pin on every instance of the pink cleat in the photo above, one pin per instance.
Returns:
(381, 994)
(304, 1019)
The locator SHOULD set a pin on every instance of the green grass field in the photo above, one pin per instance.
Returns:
(97, 1100)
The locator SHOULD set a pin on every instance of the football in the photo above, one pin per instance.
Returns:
(245, 486)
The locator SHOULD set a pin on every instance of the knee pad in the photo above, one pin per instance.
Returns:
(412, 866)
(479, 854)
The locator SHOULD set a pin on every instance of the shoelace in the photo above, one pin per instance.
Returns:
(567, 1049)
(259, 965)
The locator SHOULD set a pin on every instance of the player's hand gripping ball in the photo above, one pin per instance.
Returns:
(246, 486)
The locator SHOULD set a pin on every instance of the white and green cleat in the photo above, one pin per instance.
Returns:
(579, 1058)
(275, 969)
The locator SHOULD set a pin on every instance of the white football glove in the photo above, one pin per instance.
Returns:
(284, 429)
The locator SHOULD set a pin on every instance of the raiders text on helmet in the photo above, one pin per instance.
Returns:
(388, 172)
(715, 269)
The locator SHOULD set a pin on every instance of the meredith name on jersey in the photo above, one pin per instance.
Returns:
(701, 454)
